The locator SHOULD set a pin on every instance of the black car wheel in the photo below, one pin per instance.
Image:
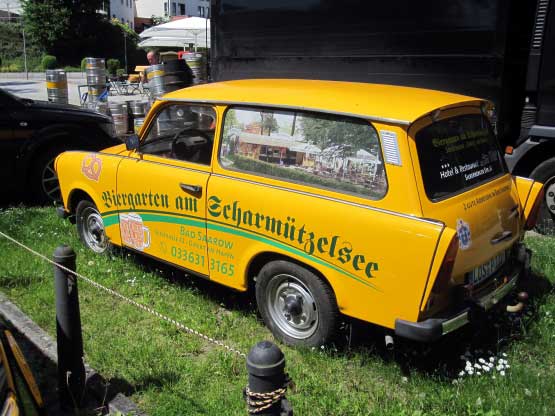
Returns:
(296, 305)
(44, 180)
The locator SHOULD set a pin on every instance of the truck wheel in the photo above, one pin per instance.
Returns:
(297, 306)
(90, 227)
(545, 173)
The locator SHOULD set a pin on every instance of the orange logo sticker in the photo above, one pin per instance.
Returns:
(92, 166)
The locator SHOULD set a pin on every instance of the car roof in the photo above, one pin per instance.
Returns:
(390, 103)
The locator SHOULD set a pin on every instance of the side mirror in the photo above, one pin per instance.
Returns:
(132, 142)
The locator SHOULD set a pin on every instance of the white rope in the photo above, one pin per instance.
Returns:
(97, 285)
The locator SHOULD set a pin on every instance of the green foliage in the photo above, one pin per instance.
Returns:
(83, 64)
(271, 169)
(158, 20)
(167, 368)
(333, 131)
(47, 21)
(113, 65)
(62, 27)
(49, 62)
(11, 49)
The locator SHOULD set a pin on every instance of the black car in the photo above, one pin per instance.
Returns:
(33, 133)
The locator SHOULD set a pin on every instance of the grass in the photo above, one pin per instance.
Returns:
(167, 372)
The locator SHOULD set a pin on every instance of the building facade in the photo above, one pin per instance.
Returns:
(171, 8)
(124, 11)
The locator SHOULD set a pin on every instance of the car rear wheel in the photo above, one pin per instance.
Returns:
(90, 227)
(296, 305)
(545, 173)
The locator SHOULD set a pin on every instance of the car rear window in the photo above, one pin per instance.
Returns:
(457, 154)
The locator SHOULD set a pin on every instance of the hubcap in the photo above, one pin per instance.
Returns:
(550, 195)
(49, 182)
(292, 306)
(93, 230)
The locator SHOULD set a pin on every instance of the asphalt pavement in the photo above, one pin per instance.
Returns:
(35, 87)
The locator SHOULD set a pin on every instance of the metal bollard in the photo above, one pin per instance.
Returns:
(71, 368)
(265, 393)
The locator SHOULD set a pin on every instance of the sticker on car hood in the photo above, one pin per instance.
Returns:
(91, 166)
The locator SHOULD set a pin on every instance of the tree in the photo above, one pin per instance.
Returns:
(268, 122)
(46, 21)
(326, 132)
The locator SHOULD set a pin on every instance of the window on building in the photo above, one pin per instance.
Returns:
(114, 16)
(201, 11)
(181, 9)
(166, 8)
(174, 9)
(121, 1)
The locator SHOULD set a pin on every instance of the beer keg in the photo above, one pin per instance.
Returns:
(96, 77)
(118, 111)
(170, 76)
(56, 86)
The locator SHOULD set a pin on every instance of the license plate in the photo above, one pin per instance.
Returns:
(484, 271)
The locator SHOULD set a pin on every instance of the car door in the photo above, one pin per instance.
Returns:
(162, 187)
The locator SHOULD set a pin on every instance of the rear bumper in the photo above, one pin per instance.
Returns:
(432, 329)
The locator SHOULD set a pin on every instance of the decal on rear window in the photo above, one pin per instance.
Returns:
(457, 154)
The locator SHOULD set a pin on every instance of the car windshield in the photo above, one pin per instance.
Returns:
(457, 154)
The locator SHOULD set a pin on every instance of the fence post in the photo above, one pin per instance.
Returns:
(71, 368)
(265, 393)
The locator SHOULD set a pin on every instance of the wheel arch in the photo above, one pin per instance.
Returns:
(537, 155)
(75, 196)
(259, 260)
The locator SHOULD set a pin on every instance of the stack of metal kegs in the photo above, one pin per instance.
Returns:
(118, 111)
(197, 65)
(137, 111)
(96, 78)
(169, 76)
(56, 85)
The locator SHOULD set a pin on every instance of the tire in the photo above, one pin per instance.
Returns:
(44, 180)
(90, 227)
(297, 306)
(545, 173)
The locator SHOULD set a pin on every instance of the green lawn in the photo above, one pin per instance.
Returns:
(173, 373)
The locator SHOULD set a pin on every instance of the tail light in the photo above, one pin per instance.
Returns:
(444, 274)
(535, 211)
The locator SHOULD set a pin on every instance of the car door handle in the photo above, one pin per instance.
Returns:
(193, 189)
(505, 235)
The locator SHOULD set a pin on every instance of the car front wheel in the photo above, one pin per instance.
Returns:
(90, 227)
(296, 305)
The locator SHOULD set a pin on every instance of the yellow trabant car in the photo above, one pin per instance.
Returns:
(387, 204)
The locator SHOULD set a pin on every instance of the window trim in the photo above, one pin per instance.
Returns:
(286, 180)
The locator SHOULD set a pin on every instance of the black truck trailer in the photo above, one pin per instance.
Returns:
(503, 50)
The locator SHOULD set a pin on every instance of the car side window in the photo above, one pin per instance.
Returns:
(327, 151)
(182, 132)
